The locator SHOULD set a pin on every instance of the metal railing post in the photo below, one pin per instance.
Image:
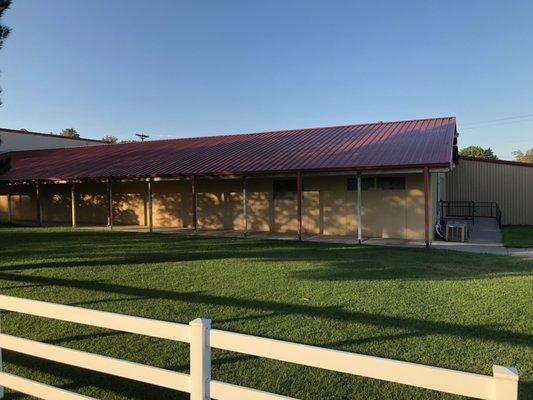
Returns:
(506, 382)
(200, 359)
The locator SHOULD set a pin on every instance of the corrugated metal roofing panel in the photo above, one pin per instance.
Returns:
(382, 145)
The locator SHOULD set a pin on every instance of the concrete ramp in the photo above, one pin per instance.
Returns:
(485, 237)
(485, 231)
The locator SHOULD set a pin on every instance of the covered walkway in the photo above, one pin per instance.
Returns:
(485, 238)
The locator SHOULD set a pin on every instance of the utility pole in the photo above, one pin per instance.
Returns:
(142, 136)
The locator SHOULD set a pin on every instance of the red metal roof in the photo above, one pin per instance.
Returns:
(382, 145)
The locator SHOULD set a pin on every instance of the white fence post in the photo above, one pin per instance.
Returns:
(505, 382)
(200, 358)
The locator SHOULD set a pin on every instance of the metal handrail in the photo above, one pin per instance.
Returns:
(470, 210)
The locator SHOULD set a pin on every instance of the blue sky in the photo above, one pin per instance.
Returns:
(175, 69)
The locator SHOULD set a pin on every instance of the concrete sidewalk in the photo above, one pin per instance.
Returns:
(485, 238)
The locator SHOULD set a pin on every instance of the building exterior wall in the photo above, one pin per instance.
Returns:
(511, 186)
(329, 208)
(3, 207)
(130, 203)
(220, 204)
(434, 193)
(3, 203)
(91, 203)
(261, 217)
(23, 204)
(172, 204)
(56, 203)
(20, 140)
(395, 213)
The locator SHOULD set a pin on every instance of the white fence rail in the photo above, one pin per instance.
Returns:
(502, 385)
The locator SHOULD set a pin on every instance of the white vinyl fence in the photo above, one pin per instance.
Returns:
(503, 384)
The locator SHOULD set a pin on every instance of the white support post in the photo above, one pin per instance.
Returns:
(9, 207)
(200, 359)
(245, 205)
(426, 206)
(299, 203)
(359, 210)
(38, 195)
(73, 203)
(194, 194)
(110, 203)
(505, 382)
(150, 209)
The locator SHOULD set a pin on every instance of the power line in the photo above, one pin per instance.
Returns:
(486, 125)
(499, 119)
(165, 136)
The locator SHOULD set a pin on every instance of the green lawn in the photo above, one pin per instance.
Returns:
(518, 235)
(440, 308)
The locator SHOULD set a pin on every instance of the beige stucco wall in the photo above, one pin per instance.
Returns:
(23, 204)
(55, 203)
(91, 203)
(16, 141)
(328, 207)
(172, 204)
(129, 203)
(395, 213)
(511, 186)
(3, 203)
(220, 204)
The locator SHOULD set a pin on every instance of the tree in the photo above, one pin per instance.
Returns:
(526, 157)
(4, 30)
(110, 139)
(70, 132)
(478, 152)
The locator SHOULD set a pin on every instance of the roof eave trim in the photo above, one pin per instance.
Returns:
(235, 173)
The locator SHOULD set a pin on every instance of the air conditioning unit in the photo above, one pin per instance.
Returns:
(456, 232)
